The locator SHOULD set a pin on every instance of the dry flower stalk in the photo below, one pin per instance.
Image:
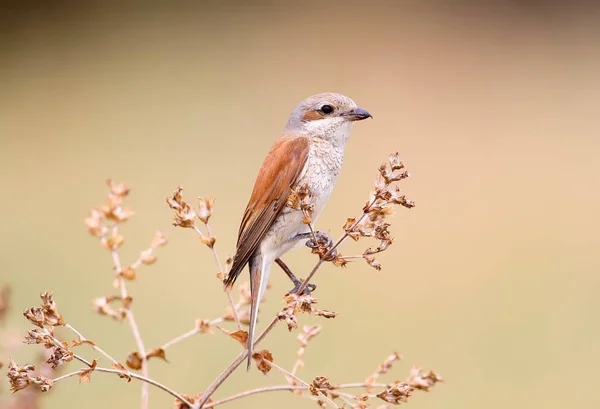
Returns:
(104, 222)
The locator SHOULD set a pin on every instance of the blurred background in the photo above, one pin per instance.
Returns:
(492, 279)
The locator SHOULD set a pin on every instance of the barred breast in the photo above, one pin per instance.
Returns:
(320, 174)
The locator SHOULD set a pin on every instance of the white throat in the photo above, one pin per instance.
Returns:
(334, 130)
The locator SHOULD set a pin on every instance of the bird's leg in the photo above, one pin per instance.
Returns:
(297, 282)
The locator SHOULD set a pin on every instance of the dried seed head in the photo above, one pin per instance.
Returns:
(320, 384)
(60, 355)
(103, 307)
(184, 213)
(205, 208)
(147, 257)
(395, 162)
(372, 262)
(384, 367)
(94, 223)
(424, 381)
(158, 240)
(118, 189)
(46, 314)
(308, 333)
(296, 304)
(18, 376)
(397, 393)
(112, 243)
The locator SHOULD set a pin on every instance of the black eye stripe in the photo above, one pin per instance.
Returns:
(327, 109)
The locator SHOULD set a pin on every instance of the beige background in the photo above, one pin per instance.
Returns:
(493, 277)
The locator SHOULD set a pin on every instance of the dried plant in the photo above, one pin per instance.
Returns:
(104, 224)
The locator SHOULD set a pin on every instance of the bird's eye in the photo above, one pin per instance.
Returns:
(327, 109)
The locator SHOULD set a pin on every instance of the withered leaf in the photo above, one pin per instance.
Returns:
(262, 359)
(240, 335)
(86, 374)
(208, 241)
(156, 353)
(134, 360)
(203, 326)
(80, 341)
(124, 374)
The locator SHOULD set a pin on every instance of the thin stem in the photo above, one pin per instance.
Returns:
(180, 338)
(352, 257)
(144, 379)
(137, 263)
(94, 346)
(189, 334)
(82, 359)
(233, 307)
(254, 392)
(359, 385)
(220, 267)
(336, 245)
(214, 251)
(288, 388)
(132, 323)
(294, 377)
(296, 366)
(232, 367)
(147, 381)
(60, 378)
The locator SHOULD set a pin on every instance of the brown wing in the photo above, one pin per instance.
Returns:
(280, 170)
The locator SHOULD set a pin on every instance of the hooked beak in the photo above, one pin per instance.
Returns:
(357, 114)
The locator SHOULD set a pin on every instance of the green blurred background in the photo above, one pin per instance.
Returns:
(493, 277)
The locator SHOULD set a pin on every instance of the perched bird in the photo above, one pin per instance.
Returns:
(309, 153)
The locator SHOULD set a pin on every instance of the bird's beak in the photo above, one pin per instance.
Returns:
(357, 114)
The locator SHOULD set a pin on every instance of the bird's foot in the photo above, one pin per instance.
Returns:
(307, 290)
(322, 247)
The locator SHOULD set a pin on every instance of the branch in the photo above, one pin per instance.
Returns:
(335, 246)
(231, 368)
(94, 346)
(145, 380)
(132, 322)
(294, 377)
(254, 392)
(189, 334)
(211, 245)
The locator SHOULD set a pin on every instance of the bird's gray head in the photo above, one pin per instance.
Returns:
(327, 116)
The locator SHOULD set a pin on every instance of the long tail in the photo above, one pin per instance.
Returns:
(259, 276)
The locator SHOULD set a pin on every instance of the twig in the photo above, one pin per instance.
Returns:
(132, 323)
(232, 367)
(254, 392)
(180, 338)
(133, 375)
(336, 245)
(286, 388)
(294, 377)
(189, 334)
(359, 385)
(94, 346)
(220, 267)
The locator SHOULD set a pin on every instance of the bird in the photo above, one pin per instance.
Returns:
(309, 153)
